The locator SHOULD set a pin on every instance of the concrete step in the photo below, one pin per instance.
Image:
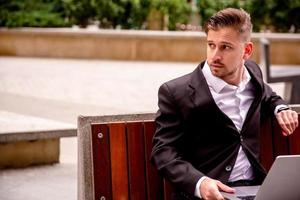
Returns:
(47, 182)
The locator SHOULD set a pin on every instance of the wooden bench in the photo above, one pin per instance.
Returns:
(289, 74)
(114, 153)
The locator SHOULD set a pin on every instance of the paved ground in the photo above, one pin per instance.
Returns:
(61, 89)
(41, 94)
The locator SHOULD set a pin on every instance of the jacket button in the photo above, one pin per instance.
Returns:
(228, 168)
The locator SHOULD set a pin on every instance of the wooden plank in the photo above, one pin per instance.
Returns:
(168, 189)
(101, 161)
(136, 160)
(154, 181)
(294, 140)
(266, 145)
(119, 163)
(280, 142)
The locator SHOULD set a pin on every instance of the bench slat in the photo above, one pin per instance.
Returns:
(280, 142)
(294, 140)
(101, 161)
(154, 181)
(136, 160)
(168, 189)
(118, 150)
(266, 145)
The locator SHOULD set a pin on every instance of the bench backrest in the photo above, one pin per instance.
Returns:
(114, 155)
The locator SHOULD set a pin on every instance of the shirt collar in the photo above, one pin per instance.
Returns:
(217, 84)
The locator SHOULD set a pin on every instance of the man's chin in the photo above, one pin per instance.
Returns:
(216, 72)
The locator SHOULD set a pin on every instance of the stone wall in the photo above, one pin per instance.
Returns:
(131, 45)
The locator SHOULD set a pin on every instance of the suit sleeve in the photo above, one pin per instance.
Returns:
(167, 143)
(270, 101)
(269, 98)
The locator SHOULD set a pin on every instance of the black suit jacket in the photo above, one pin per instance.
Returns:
(195, 138)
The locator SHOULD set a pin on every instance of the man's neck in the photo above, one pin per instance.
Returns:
(235, 78)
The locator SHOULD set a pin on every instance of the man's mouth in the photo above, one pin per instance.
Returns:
(217, 65)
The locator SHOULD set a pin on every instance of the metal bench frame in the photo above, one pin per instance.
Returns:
(292, 82)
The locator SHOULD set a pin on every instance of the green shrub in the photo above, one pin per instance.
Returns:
(126, 14)
(274, 15)
(32, 13)
(80, 12)
(133, 14)
(177, 11)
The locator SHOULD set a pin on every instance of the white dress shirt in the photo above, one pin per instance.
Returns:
(235, 102)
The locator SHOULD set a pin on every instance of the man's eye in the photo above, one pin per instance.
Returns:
(211, 45)
(226, 47)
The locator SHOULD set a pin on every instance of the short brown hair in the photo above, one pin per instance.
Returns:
(231, 17)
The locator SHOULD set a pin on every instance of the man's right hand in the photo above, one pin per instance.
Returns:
(210, 189)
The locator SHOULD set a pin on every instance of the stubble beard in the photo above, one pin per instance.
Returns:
(227, 76)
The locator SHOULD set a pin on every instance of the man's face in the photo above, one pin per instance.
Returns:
(226, 52)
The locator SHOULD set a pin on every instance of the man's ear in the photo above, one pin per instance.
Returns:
(248, 50)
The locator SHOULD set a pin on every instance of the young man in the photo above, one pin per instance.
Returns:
(207, 125)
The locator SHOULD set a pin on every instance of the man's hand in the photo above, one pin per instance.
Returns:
(288, 121)
(210, 189)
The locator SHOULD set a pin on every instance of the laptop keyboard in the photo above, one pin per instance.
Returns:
(246, 197)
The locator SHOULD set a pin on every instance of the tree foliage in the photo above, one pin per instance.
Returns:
(79, 11)
(273, 15)
(177, 11)
(32, 13)
(127, 14)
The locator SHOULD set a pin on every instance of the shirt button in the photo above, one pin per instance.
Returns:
(228, 168)
(241, 138)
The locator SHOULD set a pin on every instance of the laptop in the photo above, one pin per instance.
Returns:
(282, 182)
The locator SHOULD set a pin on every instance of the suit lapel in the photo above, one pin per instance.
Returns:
(257, 81)
(202, 99)
(255, 74)
(198, 88)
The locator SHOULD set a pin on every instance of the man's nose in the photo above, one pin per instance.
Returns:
(216, 55)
